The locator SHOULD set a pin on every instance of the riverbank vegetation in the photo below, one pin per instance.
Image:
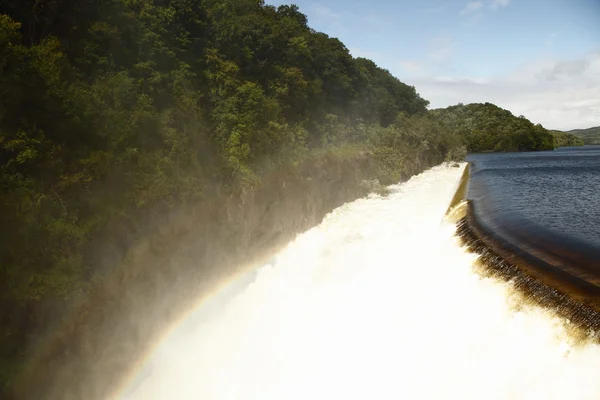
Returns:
(115, 112)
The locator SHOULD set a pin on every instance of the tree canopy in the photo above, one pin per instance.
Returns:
(112, 108)
(487, 127)
(565, 139)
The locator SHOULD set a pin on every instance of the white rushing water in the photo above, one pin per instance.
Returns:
(377, 302)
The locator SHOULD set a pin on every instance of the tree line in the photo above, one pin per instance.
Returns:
(590, 136)
(488, 128)
(113, 108)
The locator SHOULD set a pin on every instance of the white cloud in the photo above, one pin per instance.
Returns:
(437, 9)
(325, 13)
(472, 8)
(324, 19)
(412, 67)
(566, 68)
(559, 94)
(340, 23)
(550, 39)
(442, 49)
(372, 55)
(496, 4)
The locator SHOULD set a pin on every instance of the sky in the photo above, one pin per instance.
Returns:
(537, 58)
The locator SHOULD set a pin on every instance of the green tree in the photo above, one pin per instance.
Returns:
(487, 127)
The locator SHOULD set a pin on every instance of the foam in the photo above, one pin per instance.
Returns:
(378, 301)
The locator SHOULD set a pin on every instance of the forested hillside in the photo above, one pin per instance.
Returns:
(565, 139)
(589, 135)
(114, 111)
(487, 127)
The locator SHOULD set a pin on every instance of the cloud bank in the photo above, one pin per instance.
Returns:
(499, 4)
(559, 94)
(472, 7)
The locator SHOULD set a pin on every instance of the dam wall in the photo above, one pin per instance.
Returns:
(547, 270)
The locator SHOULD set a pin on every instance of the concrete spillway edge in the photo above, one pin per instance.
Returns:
(574, 299)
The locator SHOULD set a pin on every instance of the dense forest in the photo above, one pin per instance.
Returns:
(111, 111)
(588, 136)
(487, 127)
(565, 139)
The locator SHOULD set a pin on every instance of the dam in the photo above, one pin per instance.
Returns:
(381, 300)
(538, 214)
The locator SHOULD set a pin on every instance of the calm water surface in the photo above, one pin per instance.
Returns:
(554, 194)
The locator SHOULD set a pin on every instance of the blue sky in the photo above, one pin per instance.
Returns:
(536, 58)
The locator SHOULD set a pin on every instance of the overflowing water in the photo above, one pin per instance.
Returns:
(377, 302)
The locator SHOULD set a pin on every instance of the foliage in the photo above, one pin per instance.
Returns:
(564, 139)
(112, 110)
(410, 143)
(487, 127)
(589, 135)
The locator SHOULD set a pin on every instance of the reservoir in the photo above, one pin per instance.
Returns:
(555, 193)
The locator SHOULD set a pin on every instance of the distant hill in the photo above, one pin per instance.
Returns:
(589, 135)
(489, 128)
(565, 139)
